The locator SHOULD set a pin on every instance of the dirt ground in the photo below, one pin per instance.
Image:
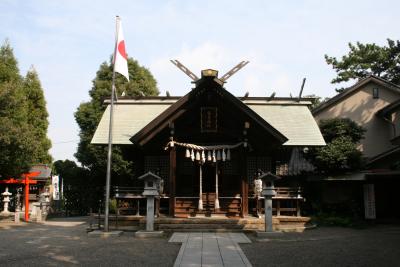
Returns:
(64, 242)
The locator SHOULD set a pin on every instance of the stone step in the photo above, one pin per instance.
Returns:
(197, 226)
(207, 230)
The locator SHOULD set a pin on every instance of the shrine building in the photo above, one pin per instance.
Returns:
(208, 145)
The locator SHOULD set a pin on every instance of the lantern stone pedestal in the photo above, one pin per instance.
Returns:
(37, 211)
(17, 217)
(151, 186)
(44, 204)
(17, 212)
(268, 191)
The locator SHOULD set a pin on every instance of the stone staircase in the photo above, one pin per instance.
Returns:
(225, 224)
(208, 224)
(188, 206)
(201, 223)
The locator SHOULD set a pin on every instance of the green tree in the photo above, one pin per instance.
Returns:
(80, 188)
(316, 100)
(332, 129)
(17, 140)
(9, 71)
(37, 116)
(340, 153)
(366, 59)
(88, 115)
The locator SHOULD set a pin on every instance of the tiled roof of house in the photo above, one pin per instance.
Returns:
(348, 91)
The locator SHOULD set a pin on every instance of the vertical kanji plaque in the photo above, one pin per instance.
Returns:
(209, 120)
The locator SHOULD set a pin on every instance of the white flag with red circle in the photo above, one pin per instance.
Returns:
(120, 57)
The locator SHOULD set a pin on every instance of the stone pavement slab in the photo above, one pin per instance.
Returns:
(210, 249)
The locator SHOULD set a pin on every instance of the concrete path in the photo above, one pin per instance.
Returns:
(210, 249)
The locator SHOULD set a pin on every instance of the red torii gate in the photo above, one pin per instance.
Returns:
(27, 181)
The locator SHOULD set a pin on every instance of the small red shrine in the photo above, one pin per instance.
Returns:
(33, 182)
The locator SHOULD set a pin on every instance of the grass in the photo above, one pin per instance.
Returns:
(332, 219)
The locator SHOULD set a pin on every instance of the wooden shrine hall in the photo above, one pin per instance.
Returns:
(208, 145)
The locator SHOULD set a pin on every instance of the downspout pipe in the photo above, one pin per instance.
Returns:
(391, 123)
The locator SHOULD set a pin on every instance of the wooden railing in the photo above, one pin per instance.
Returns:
(288, 192)
(127, 191)
(128, 199)
(286, 202)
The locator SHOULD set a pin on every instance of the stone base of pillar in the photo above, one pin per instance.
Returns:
(200, 205)
(149, 234)
(216, 204)
(102, 234)
(16, 217)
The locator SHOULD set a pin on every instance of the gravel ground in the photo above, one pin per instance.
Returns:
(64, 242)
(328, 246)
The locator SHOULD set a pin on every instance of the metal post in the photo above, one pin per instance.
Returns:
(108, 176)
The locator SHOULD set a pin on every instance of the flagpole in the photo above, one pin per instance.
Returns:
(110, 127)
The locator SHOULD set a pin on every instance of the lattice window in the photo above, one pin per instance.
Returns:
(157, 163)
(185, 166)
(228, 167)
(254, 163)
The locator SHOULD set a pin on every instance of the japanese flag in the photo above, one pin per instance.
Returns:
(120, 57)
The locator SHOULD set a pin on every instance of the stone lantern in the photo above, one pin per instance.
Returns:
(268, 192)
(6, 200)
(151, 186)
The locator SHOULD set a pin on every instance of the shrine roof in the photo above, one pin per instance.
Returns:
(287, 115)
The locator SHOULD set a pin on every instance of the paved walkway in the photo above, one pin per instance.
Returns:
(210, 249)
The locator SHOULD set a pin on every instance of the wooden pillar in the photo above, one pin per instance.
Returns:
(244, 183)
(27, 197)
(172, 180)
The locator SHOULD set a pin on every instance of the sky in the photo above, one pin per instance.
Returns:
(285, 41)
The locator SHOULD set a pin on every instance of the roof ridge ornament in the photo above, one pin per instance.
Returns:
(301, 90)
(223, 79)
(183, 68)
(235, 69)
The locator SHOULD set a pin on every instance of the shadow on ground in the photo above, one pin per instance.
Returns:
(328, 246)
(64, 242)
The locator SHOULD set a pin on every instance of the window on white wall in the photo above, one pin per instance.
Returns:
(375, 92)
